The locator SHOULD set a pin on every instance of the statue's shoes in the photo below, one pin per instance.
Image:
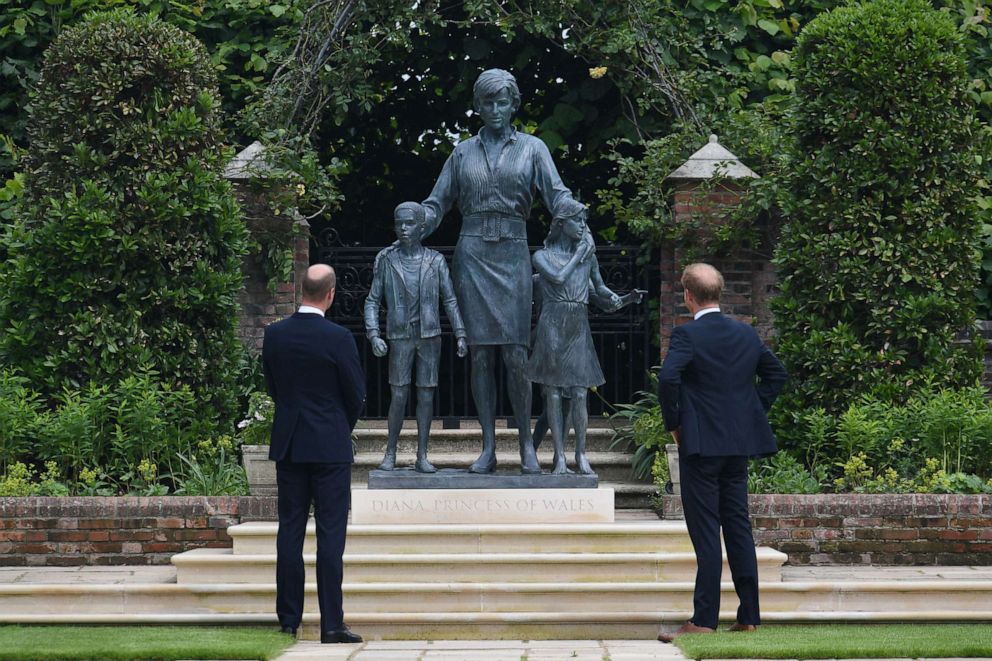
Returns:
(424, 466)
(486, 465)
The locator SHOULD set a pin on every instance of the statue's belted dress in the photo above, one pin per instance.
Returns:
(491, 267)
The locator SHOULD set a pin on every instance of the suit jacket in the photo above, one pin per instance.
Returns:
(313, 373)
(387, 283)
(707, 386)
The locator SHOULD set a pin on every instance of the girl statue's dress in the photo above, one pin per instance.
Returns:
(563, 353)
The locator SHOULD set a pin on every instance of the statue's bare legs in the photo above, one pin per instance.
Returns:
(580, 421)
(425, 413)
(397, 409)
(484, 394)
(556, 424)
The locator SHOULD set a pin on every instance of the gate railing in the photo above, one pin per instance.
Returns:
(623, 339)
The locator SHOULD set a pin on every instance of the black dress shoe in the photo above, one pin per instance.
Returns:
(287, 629)
(342, 635)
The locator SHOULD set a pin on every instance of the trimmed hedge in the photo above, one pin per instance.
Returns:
(125, 255)
(878, 260)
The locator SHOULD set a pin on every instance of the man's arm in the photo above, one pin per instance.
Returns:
(670, 377)
(771, 377)
(270, 381)
(351, 378)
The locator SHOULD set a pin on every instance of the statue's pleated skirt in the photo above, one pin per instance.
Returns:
(493, 284)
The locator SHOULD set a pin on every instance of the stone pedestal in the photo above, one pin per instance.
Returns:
(420, 506)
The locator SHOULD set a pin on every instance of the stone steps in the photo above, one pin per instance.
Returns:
(469, 440)
(496, 610)
(213, 566)
(609, 466)
(488, 581)
(656, 536)
(458, 448)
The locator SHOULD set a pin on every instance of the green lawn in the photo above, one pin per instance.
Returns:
(44, 643)
(843, 641)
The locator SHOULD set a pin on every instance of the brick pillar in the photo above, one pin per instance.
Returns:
(700, 206)
(261, 304)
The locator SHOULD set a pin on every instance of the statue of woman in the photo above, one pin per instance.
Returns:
(492, 178)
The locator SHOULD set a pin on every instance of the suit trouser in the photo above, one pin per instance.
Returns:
(714, 495)
(328, 487)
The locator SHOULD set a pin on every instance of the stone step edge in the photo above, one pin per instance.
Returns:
(516, 617)
(166, 589)
(211, 556)
(652, 528)
(595, 458)
(409, 430)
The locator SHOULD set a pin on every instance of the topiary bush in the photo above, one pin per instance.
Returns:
(125, 254)
(878, 258)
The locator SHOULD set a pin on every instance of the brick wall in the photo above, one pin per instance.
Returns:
(885, 529)
(118, 531)
(921, 529)
(259, 305)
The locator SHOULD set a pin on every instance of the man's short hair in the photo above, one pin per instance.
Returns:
(316, 288)
(493, 81)
(703, 281)
(419, 213)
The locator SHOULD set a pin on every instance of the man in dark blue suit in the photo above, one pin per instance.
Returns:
(715, 387)
(314, 376)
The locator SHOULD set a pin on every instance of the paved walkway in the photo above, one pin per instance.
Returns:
(487, 650)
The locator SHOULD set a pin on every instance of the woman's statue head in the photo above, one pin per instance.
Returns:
(496, 97)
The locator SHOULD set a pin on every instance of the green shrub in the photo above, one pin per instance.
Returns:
(878, 259)
(643, 427)
(783, 473)
(256, 428)
(19, 415)
(125, 254)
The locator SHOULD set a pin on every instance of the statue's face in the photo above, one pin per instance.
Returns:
(574, 227)
(496, 111)
(407, 228)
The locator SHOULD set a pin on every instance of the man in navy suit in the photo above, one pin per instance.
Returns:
(314, 376)
(715, 387)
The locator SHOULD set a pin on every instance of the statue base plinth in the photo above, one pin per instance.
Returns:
(481, 506)
(459, 478)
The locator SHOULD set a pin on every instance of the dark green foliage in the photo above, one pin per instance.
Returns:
(127, 247)
(878, 259)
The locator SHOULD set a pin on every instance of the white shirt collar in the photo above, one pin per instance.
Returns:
(705, 311)
(309, 309)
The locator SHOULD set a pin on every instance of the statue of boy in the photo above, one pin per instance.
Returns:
(411, 279)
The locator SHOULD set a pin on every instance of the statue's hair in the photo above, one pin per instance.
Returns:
(419, 213)
(567, 208)
(493, 81)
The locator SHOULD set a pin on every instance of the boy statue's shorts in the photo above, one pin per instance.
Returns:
(401, 354)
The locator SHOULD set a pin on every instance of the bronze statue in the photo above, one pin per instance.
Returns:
(411, 279)
(564, 359)
(492, 178)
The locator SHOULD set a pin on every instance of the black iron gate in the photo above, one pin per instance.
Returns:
(623, 339)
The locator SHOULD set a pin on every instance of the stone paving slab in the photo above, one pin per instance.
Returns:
(486, 650)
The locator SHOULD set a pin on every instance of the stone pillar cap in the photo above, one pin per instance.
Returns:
(249, 163)
(712, 161)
